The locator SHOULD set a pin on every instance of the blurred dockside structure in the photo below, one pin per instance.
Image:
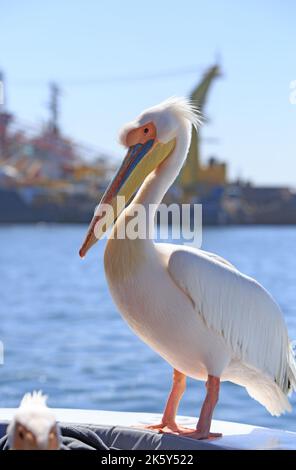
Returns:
(48, 177)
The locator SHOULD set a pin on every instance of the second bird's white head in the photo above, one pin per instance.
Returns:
(34, 425)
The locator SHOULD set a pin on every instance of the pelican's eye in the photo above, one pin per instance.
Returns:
(21, 435)
(146, 130)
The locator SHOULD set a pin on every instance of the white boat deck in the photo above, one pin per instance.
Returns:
(235, 435)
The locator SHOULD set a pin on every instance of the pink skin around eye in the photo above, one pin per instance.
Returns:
(141, 135)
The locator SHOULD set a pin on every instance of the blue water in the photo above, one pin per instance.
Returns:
(62, 333)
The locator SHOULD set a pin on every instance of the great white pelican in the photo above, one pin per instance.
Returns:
(205, 318)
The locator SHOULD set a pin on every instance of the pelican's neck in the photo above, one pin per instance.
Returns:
(159, 181)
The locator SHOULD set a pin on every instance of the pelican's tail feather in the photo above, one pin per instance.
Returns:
(267, 391)
(269, 394)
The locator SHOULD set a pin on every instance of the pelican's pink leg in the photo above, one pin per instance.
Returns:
(168, 422)
(202, 431)
(205, 418)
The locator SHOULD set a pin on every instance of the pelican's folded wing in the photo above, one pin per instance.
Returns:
(217, 258)
(236, 307)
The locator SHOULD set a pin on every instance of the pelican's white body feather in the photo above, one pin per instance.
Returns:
(194, 308)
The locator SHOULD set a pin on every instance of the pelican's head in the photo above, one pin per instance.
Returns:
(34, 425)
(150, 139)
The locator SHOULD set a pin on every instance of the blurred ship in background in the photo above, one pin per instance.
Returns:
(47, 177)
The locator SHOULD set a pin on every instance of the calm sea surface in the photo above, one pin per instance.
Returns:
(62, 333)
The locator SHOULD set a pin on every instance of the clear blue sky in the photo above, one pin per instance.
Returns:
(75, 42)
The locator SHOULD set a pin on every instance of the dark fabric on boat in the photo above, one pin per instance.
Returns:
(89, 437)
(73, 438)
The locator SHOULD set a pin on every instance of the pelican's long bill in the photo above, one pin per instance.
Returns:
(141, 159)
